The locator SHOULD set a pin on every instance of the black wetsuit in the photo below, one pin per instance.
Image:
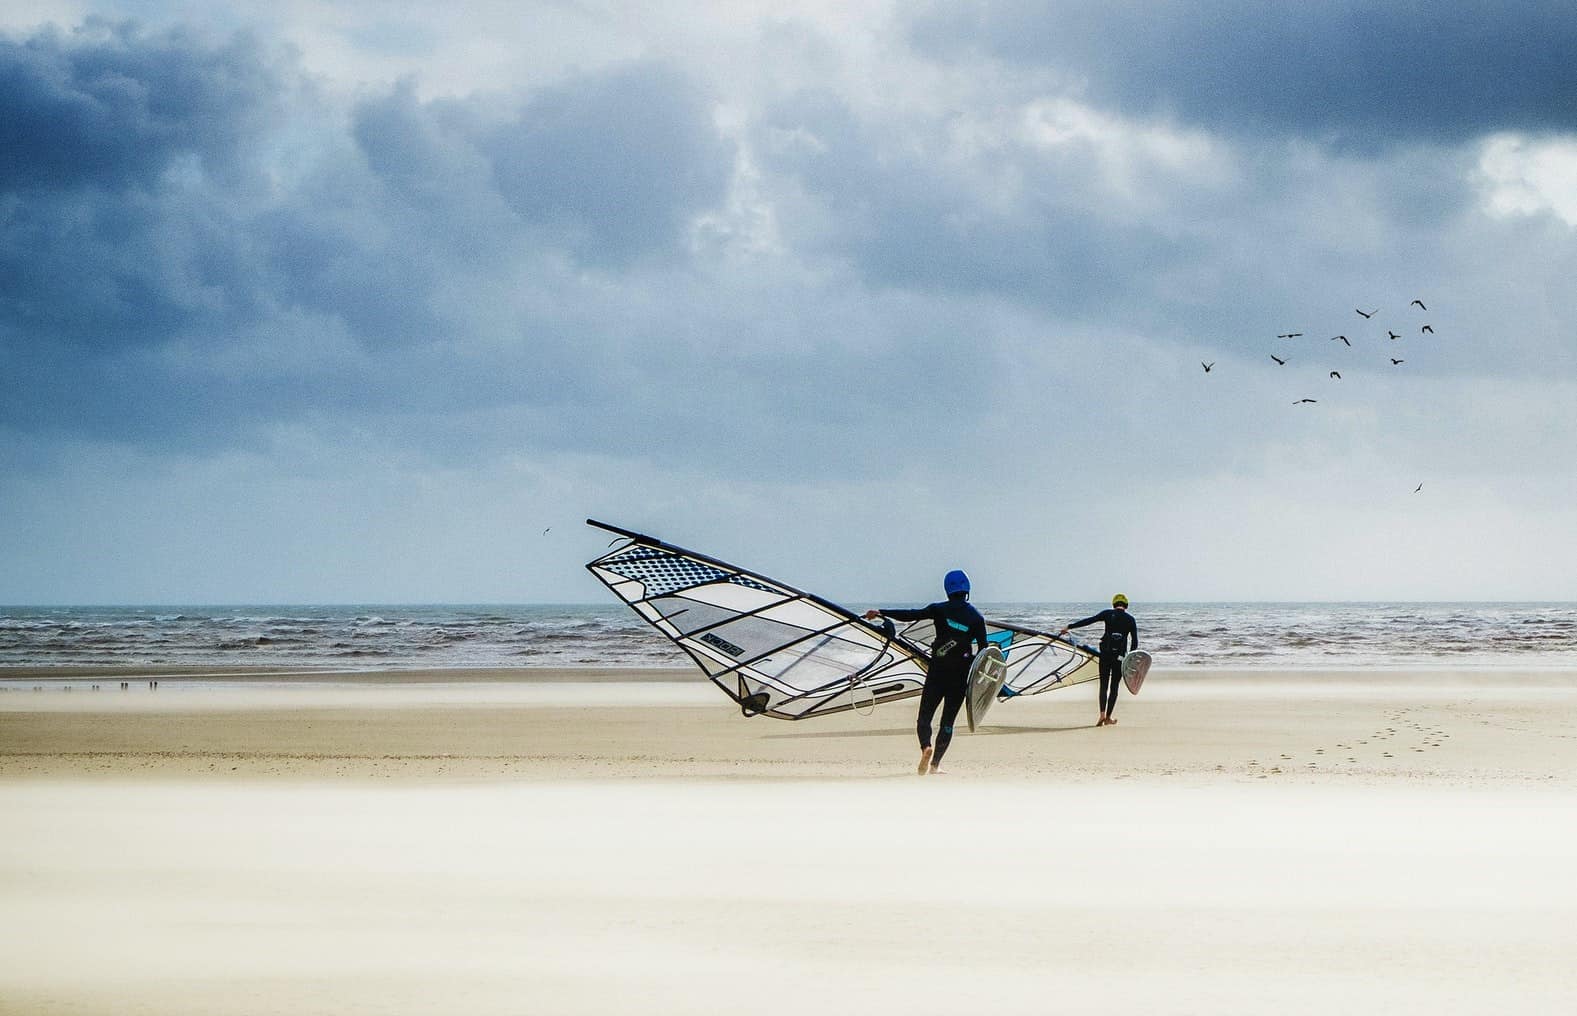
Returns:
(1120, 628)
(947, 680)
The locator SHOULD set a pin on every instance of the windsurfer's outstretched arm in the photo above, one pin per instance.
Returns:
(957, 624)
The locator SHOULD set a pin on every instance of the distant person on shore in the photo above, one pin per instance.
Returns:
(1120, 638)
(958, 625)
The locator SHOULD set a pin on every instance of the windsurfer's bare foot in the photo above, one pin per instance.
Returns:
(925, 761)
(936, 770)
(1111, 721)
(1101, 722)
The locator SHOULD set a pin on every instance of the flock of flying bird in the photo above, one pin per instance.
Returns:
(1335, 375)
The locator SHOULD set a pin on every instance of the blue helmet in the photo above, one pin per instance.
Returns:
(955, 582)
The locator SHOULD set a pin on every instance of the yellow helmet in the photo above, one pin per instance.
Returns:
(1119, 600)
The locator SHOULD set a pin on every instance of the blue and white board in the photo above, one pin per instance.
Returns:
(986, 675)
(1135, 665)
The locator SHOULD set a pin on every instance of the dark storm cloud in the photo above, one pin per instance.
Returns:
(1365, 74)
(194, 244)
(104, 238)
(108, 106)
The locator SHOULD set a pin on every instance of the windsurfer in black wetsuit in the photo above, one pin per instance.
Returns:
(1120, 638)
(959, 628)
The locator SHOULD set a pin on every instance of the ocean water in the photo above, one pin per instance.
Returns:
(1217, 635)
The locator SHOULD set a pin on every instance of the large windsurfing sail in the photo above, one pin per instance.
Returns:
(782, 652)
(774, 649)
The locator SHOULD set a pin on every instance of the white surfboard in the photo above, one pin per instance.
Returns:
(1135, 665)
(986, 675)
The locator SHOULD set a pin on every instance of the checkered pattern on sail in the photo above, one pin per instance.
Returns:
(663, 572)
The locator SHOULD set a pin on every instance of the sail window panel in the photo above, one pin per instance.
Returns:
(812, 667)
(733, 596)
(812, 616)
(818, 662)
(751, 637)
(687, 615)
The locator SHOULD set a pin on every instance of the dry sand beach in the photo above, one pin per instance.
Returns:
(525, 842)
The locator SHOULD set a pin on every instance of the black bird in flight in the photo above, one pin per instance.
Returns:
(1336, 375)
(1420, 304)
(1395, 361)
(1302, 401)
(1371, 314)
(1426, 328)
(1418, 488)
(1343, 338)
(547, 530)
(1392, 334)
(1291, 335)
(1278, 359)
(1207, 366)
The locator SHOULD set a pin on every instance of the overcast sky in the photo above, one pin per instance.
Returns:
(365, 302)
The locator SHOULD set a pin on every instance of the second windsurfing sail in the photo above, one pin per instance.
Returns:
(1037, 661)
